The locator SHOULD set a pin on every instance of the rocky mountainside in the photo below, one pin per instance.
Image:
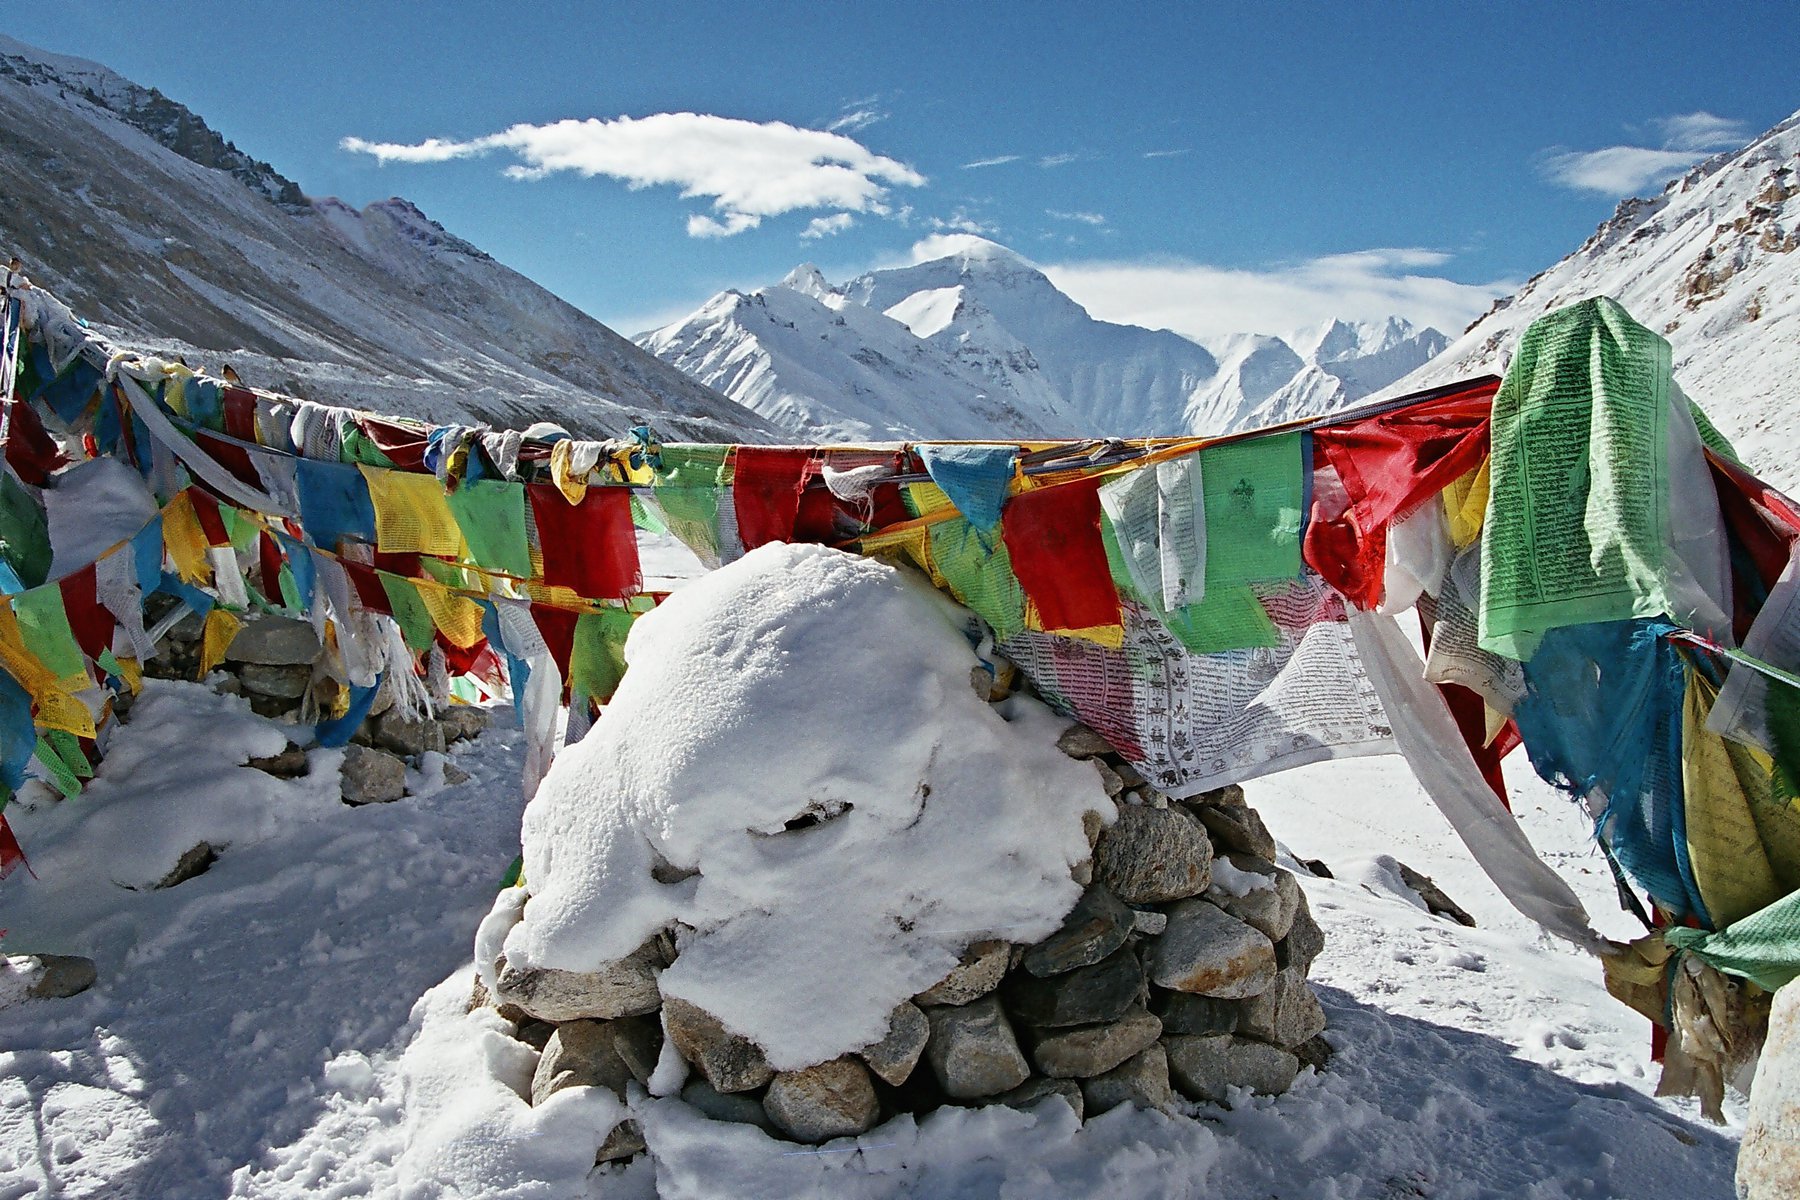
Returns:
(979, 343)
(148, 223)
(1713, 262)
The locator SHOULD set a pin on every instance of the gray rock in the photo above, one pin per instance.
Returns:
(395, 732)
(1437, 903)
(1148, 921)
(454, 775)
(983, 966)
(832, 1099)
(461, 722)
(1303, 942)
(579, 1054)
(290, 763)
(1142, 1080)
(1184, 1012)
(1085, 996)
(1151, 855)
(638, 1043)
(1092, 825)
(894, 1056)
(371, 776)
(973, 1051)
(1128, 774)
(730, 1063)
(1237, 827)
(193, 861)
(1286, 1014)
(61, 976)
(534, 1033)
(1036, 1090)
(1208, 951)
(1078, 741)
(1231, 793)
(275, 682)
(623, 988)
(625, 1140)
(1097, 925)
(1315, 1053)
(1109, 778)
(1089, 1050)
(275, 642)
(1203, 1067)
(1270, 909)
(737, 1108)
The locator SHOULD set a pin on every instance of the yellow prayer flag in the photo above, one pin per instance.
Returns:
(1465, 504)
(186, 540)
(562, 472)
(411, 514)
(458, 618)
(216, 637)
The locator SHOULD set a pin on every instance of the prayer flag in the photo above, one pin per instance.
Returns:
(1052, 537)
(765, 491)
(334, 503)
(491, 514)
(1255, 494)
(591, 547)
(411, 514)
(975, 478)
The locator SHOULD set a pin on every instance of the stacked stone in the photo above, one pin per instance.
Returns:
(1181, 970)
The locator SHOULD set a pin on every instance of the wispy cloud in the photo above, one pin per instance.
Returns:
(1057, 160)
(962, 221)
(1168, 153)
(748, 170)
(820, 227)
(859, 118)
(1086, 218)
(999, 160)
(1202, 300)
(1625, 170)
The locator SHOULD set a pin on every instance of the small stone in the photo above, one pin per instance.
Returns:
(624, 988)
(1237, 827)
(1208, 951)
(1436, 902)
(832, 1099)
(1085, 996)
(275, 682)
(1315, 1053)
(982, 967)
(579, 1054)
(1142, 1080)
(274, 641)
(454, 775)
(1231, 793)
(1079, 741)
(289, 764)
(193, 861)
(1093, 825)
(1094, 928)
(1148, 921)
(973, 1051)
(60, 976)
(1317, 867)
(735, 1107)
(1303, 942)
(1186, 1013)
(371, 776)
(894, 1056)
(1271, 908)
(1149, 856)
(460, 722)
(625, 1140)
(1129, 775)
(1090, 1050)
(638, 1043)
(1109, 778)
(1204, 1067)
(403, 736)
(534, 1033)
(1285, 1015)
(730, 1063)
(1032, 1092)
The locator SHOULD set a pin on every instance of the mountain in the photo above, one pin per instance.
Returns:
(1713, 263)
(979, 343)
(167, 237)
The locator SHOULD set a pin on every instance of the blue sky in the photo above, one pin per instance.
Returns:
(1202, 167)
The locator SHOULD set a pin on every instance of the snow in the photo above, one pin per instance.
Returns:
(938, 821)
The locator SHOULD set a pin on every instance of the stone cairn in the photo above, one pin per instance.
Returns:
(1181, 969)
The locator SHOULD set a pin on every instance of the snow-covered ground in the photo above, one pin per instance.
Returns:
(283, 1024)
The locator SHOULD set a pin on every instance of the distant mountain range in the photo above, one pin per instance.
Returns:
(980, 343)
(1712, 263)
(168, 237)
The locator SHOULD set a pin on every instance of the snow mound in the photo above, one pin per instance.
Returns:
(798, 748)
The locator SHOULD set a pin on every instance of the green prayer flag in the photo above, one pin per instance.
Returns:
(410, 612)
(1764, 946)
(491, 514)
(688, 490)
(24, 532)
(980, 577)
(62, 778)
(1228, 617)
(44, 626)
(358, 447)
(597, 656)
(644, 517)
(1254, 491)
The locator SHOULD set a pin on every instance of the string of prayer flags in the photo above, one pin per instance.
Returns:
(592, 545)
(1052, 537)
(765, 491)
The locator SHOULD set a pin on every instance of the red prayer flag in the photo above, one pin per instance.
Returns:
(590, 548)
(232, 457)
(89, 621)
(766, 483)
(12, 855)
(268, 559)
(240, 413)
(30, 450)
(558, 627)
(368, 587)
(1761, 526)
(1052, 535)
(211, 523)
(405, 446)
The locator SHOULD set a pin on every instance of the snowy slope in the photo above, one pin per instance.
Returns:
(979, 343)
(146, 222)
(1713, 263)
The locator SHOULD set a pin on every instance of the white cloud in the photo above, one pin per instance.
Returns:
(820, 227)
(860, 118)
(1627, 170)
(960, 221)
(999, 160)
(1168, 153)
(1201, 300)
(1057, 160)
(748, 170)
(943, 245)
(1086, 218)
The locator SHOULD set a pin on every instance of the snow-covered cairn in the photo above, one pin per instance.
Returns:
(805, 876)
